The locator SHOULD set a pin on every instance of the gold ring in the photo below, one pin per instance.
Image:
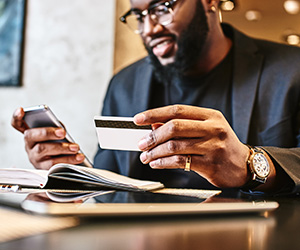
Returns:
(188, 161)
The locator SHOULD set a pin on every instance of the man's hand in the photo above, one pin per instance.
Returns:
(179, 130)
(43, 152)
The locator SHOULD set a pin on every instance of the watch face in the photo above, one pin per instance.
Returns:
(261, 165)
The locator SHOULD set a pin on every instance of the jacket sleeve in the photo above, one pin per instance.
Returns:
(287, 161)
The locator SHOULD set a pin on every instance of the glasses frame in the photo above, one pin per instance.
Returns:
(169, 4)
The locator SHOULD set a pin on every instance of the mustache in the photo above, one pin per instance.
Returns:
(146, 44)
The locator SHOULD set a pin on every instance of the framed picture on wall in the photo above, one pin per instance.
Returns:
(12, 26)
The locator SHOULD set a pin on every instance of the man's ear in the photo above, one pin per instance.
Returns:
(210, 5)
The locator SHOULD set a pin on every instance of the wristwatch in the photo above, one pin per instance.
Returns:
(258, 166)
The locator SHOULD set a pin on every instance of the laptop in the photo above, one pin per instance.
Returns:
(134, 204)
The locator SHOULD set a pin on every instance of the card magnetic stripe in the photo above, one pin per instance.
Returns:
(119, 124)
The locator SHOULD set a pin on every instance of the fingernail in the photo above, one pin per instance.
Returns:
(142, 144)
(143, 157)
(18, 113)
(74, 147)
(79, 157)
(154, 164)
(139, 118)
(60, 132)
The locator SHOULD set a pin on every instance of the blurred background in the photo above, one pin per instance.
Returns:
(275, 20)
(73, 47)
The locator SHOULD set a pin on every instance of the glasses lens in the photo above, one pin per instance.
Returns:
(159, 14)
(134, 23)
(162, 15)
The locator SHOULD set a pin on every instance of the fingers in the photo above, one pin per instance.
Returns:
(17, 120)
(175, 161)
(179, 162)
(45, 149)
(46, 154)
(174, 147)
(176, 129)
(49, 162)
(173, 155)
(164, 114)
(181, 121)
(215, 174)
(35, 135)
(49, 149)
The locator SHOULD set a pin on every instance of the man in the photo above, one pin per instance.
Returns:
(228, 89)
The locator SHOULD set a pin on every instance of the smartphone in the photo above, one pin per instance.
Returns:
(41, 116)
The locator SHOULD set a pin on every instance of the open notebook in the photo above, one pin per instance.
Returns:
(72, 177)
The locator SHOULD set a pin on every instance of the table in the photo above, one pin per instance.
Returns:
(279, 229)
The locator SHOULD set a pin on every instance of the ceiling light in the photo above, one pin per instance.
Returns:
(292, 6)
(227, 5)
(253, 15)
(293, 39)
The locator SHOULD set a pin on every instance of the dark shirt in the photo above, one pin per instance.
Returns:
(212, 90)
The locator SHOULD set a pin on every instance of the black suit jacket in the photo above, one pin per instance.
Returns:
(265, 108)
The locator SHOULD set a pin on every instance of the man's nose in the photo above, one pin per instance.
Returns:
(151, 27)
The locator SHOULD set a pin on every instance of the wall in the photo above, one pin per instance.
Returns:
(67, 65)
(128, 45)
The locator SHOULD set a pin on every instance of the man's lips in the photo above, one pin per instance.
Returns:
(162, 47)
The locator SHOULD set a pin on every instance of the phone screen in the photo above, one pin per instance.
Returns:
(40, 116)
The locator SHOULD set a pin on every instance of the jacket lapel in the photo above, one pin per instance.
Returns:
(246, 75)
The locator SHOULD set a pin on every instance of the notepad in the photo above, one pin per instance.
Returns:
(73, 177)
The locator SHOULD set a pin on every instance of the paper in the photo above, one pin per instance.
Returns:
(199, 193)
(23, 177)
(63, 176)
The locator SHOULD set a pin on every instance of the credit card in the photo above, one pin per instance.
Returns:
(119, 133)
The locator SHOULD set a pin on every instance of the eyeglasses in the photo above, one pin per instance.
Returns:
(160, 13)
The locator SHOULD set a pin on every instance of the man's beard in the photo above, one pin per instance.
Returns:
(190, 46)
